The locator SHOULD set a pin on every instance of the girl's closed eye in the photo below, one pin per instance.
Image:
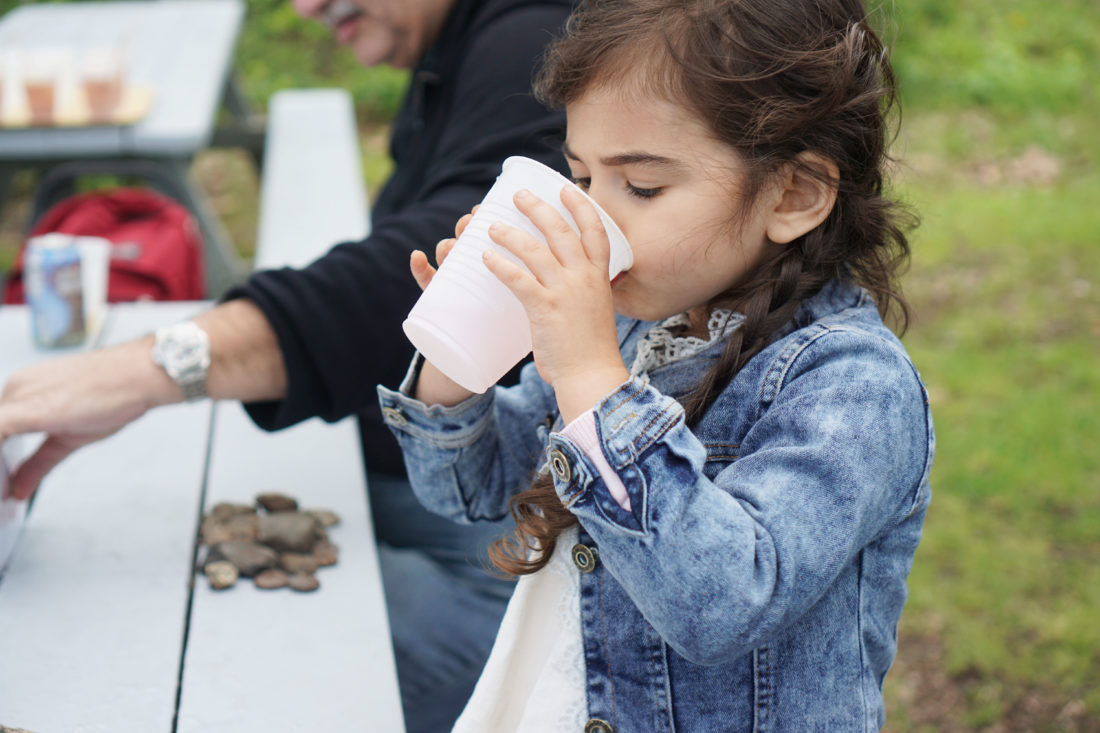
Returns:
(642, 192)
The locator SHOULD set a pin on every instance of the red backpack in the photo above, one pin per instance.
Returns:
(156, 252)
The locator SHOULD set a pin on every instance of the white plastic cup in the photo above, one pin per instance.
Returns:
(468, 323)
(95, 270)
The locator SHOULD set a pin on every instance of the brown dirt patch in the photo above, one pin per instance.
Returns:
(922, 696)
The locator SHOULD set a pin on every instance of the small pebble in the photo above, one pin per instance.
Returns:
(304, 582)
(325, 553)
(224, 510)
(248, 557)
(288, 531)
(271, 579)
(274, 502)
(324, 516)
(294, 562)
(233, 527)
(221, 574)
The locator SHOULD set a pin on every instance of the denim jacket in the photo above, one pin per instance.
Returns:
(757, 581)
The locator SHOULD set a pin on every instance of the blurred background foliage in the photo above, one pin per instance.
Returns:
(999, 154)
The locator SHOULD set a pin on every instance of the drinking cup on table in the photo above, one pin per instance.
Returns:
(95, 269)
(66, 280)
(102, 71)
(43, 72)
(468, 323)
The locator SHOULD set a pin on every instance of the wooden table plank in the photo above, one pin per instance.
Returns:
(92, 609)
(280, 660)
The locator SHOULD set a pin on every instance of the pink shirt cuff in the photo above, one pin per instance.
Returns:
(582, 431)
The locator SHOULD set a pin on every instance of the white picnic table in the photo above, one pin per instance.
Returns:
(105, 627)
(182, 51)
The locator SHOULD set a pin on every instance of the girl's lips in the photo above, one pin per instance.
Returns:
(617, 278)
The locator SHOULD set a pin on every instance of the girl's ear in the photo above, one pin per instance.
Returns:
(807, 192)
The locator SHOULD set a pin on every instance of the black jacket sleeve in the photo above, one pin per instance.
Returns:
(338, 321)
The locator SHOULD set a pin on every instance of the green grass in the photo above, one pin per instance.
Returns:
(1007, 336)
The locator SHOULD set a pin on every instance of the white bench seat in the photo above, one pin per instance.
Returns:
(312, 193)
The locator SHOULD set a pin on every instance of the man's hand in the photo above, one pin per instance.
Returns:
(78, 400)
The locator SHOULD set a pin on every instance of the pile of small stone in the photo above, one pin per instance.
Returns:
(273, 542)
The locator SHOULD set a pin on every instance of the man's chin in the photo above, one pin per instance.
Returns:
(373, 54)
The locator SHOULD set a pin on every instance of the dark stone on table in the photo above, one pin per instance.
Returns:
(295, 562)
(271, 579)
(288, 531)
(234, 527)
(304, 582)
(325, 553)
(248, 557)
(224, 510)
(275, 502)
(324, 517)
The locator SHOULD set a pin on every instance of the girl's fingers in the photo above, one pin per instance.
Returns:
(443, 249)
(530, 251)
(559, 234)
(422, 271)
(460, 225)
(594, 237)
(522, 283)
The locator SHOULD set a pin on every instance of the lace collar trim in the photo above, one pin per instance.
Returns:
(662, 345)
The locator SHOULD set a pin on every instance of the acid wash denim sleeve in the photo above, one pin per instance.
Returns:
(466, 461)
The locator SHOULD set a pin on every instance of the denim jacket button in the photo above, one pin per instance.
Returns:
(394, 416)
(559, 464)
(585, 558)
(598, 726)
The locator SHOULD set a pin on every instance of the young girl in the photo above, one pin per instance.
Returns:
(732, 473)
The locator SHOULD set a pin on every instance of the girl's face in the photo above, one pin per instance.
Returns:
(672, 189)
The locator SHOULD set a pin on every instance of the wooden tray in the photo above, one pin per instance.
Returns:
(73, 110)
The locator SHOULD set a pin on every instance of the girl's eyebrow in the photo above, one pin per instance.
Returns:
(630, 158)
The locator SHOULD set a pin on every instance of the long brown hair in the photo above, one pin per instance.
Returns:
(772, 79)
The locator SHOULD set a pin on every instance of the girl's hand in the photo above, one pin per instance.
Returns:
(434, 387)
(422, 270)
(567, 297)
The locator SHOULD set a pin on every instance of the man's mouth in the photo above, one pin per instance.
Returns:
(340, 16)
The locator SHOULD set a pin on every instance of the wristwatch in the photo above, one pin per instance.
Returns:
(183, 351)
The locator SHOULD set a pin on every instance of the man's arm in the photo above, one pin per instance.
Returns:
(83, 398)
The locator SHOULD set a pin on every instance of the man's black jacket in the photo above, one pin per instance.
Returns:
(468, 107)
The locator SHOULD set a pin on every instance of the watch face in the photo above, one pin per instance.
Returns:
(184, 350)
(187, 355)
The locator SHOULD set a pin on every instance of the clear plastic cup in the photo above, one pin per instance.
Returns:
(101, 71)
(468, 323)
(44, 70)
